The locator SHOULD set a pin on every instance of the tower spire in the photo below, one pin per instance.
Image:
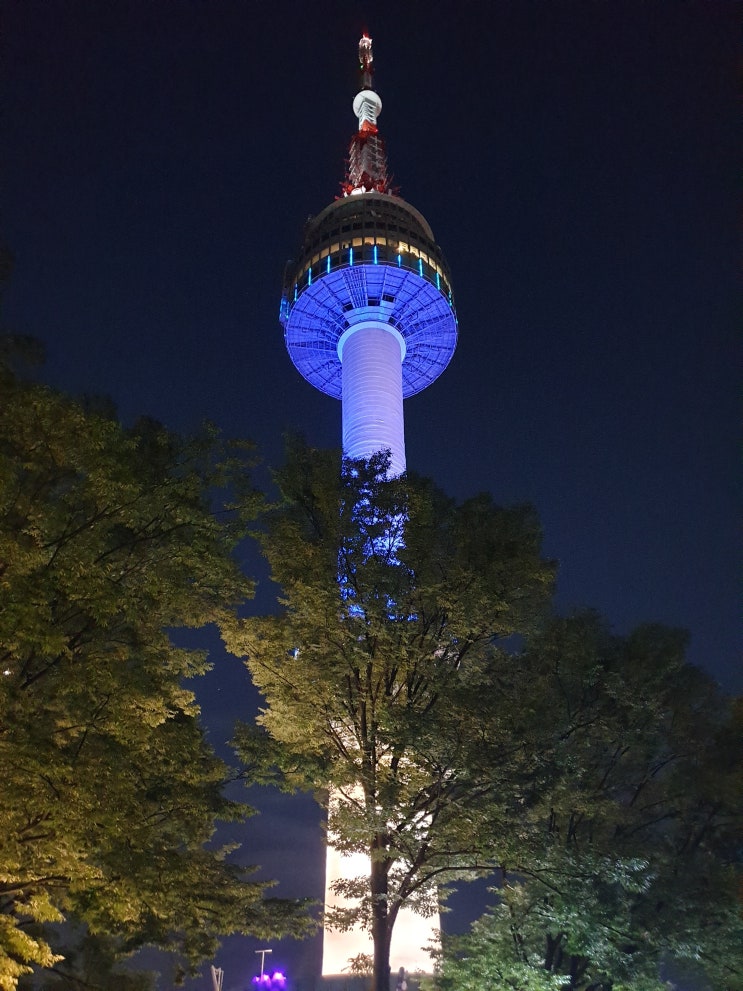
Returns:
(367, 157)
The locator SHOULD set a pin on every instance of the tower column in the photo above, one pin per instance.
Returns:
(371, 355)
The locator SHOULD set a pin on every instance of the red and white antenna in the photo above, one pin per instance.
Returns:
(367, 157)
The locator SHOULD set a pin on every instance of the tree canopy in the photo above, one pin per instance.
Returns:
(625, 860)
(109, 539)
(393, 597)
(416, 671)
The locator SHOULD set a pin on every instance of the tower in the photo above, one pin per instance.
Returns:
(369, 319)
(367, 308)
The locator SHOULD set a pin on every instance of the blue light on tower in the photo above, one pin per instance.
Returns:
(367, 312)
(368, 318)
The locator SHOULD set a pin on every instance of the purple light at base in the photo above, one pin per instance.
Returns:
(270, 982)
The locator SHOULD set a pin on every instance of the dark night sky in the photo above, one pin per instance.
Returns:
(576, 161)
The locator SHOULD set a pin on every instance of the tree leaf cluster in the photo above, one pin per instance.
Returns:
(417, 680)
(394, 597)
(626, 856)
(109, 539)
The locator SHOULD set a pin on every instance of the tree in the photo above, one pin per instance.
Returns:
(109, 538)
(393, 596)
(630, 858)
(89, 962)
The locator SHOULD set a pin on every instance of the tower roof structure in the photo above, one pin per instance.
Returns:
(369, 255)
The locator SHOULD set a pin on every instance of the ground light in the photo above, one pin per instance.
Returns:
(270, 982)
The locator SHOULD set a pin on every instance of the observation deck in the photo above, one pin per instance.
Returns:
(369, 256)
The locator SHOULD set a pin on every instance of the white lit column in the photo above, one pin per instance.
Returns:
(410, 937)
(371, 354)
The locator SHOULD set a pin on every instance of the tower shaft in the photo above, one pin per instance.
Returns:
(371, 354)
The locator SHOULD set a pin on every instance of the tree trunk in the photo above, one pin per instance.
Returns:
(380, 931)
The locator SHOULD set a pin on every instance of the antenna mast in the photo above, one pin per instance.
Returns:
(367, 157)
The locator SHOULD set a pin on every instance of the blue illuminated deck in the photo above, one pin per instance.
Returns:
(375, 253)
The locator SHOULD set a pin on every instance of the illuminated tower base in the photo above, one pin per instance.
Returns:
(409, 937)
(369, 319)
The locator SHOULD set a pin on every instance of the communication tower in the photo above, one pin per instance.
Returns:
(367, 307)
(369, 319)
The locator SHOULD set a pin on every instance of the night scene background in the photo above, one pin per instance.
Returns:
(576, 163)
